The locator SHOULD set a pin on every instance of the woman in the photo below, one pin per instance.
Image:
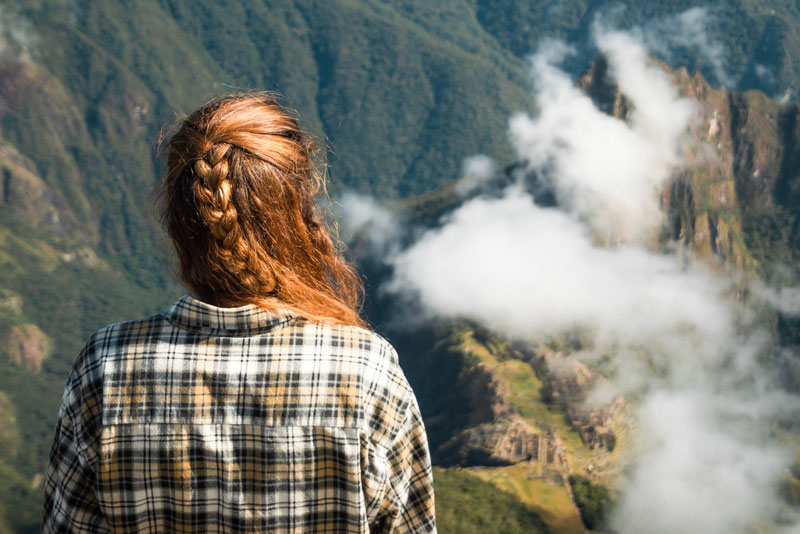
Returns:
(262, 405)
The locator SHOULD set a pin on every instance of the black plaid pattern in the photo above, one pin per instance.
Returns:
(206, 419)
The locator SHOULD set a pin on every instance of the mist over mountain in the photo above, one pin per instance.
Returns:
(616, 276)
(406, 97)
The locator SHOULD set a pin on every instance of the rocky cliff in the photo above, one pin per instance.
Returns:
(738, 196)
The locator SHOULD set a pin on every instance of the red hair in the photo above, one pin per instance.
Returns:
(237, 199)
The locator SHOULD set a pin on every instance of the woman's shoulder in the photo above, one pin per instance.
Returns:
(114, 335)
(84, 385)
(378, 361)
(387, 395)
(338, 338)
(116, 338)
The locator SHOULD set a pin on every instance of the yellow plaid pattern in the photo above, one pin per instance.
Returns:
(206, 419)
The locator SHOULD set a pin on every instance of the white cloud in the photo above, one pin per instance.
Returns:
(18, 39)
(695, 474)
(361, 214)
(706, 460)
(604, 170)
(477, 170)
(783, 299)
(527, 271)
(765, 75)
(688, 31)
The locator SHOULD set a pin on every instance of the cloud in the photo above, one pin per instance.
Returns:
(18, 39)
(765, 75)
(695, 474)
(361, 214)
(528, 271)
(565, 142)
(785, 300)
(688, 32)
(705, 458)
(477, 171)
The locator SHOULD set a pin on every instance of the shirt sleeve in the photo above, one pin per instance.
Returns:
(70, 504)
(409, 503)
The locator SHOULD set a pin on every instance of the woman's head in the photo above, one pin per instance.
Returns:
(237, 200)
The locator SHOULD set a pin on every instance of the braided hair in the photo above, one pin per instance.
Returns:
(237, 199)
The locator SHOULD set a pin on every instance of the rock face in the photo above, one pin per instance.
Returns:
(508, 425)
(28, 346)
(742, 155)
(570, 384)
(489, 394)
(24, 194)
(506, 442)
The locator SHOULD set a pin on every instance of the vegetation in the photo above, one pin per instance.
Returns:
(770, 42)
(466, 504)
(549, 498)
(773, 236)
(593, 500)
(439, 360)
(462, 357)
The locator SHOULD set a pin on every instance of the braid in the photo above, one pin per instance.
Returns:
(213, 196)
(212, 191)
(238, 203)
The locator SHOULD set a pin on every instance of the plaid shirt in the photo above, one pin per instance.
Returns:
(206, 419)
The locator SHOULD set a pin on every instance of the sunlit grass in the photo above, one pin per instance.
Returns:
(547, 497)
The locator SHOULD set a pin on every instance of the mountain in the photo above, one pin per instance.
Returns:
(399, 92)
(84, 90)
(495, 408)
(738, 43)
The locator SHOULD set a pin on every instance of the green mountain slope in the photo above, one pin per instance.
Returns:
(757, 42)
(360, 72)
(466, 504)
(85, 88)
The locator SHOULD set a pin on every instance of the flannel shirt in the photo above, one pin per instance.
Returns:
(207, 419)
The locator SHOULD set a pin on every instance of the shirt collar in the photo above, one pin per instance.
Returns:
(193, 314)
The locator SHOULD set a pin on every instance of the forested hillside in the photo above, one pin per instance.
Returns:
(398, 92)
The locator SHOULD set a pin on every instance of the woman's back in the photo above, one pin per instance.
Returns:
(206, 419)
(265, 406)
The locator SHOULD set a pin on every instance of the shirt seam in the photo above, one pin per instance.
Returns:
(176, 322)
